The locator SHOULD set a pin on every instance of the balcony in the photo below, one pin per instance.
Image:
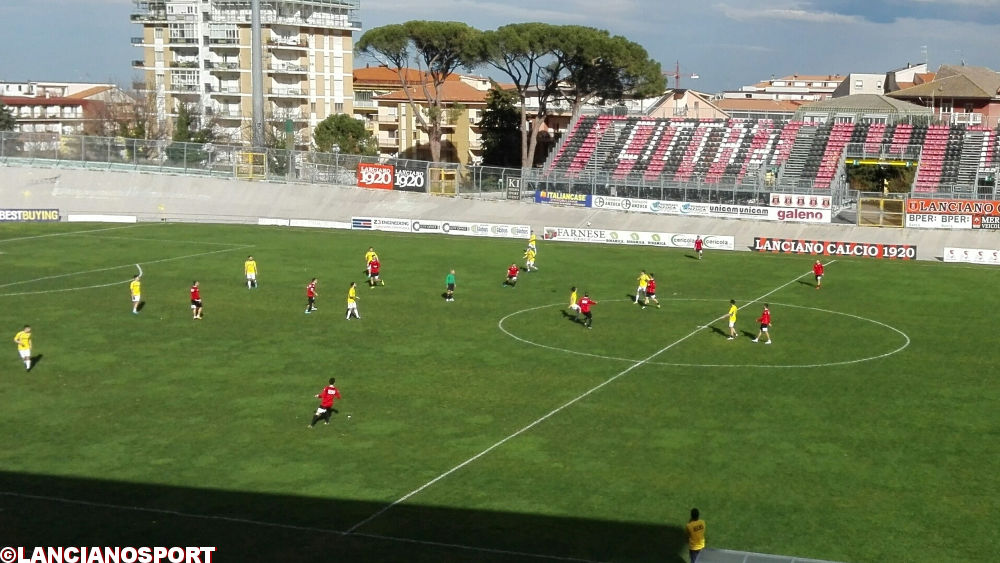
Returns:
(287, 68)
(288, 92)
(156, 16)
(227, 90)
(388, 119)
(288, 115)
(183, 41)
(282, 42)
(138, 40)
(184, 88)
(222, 66)
(138, 64)
(190, 63)
(388, 142)
(222, 41)
(225, 113)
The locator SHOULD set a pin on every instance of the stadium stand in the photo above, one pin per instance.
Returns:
(800, 155)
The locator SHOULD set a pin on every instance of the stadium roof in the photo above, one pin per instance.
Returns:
(866, 103)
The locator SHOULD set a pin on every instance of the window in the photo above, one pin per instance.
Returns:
(158, 33)
(859, 84)
(158, 56)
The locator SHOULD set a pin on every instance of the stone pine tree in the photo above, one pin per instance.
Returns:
(347, 133)
(501, 128)
(573, 63)
(436, 50)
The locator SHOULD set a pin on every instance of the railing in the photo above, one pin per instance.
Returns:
(225, 65)
(184, 64)
(279, 41)
(183, 88)
(223, 41)
(288, 92)
(183, 41)
(138, 40)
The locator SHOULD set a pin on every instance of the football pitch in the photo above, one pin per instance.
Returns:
(494, 427)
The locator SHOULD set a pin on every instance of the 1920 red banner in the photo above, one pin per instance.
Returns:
(835, 248)
(379, 176)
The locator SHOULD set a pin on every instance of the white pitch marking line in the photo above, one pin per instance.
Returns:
(68, 233)
(906, 340)
(555, 411)
(266, 524)
(161, 240)
(105, 270)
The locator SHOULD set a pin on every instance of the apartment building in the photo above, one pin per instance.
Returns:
(198, 53)
(384, 106)
(65, 108)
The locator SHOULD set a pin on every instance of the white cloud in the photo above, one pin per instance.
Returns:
(790, 13)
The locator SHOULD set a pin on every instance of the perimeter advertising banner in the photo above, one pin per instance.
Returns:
(928, 213)
(636, 238)
(28, 215)
(431, 226)
(835, 248)
(716, 210)
(972, 255)
(562, 198)
(378, 176)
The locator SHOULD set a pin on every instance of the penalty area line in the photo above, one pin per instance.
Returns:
(559, 409)
(105, 270)
(278, 525)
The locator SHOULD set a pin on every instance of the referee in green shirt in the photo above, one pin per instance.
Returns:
(449, 282)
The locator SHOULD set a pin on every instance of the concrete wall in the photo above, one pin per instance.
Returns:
(182, 198)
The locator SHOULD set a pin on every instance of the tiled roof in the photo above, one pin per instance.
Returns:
(384, 76)
(745, 104)
(451, 92)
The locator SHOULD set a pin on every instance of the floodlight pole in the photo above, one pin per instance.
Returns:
(257, 76)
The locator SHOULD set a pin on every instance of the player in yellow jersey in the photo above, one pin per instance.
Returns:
(533, 242)
(643, 279)
(135, 290)
(573, 305)
(529, 260)
(695, 530)
(352, 301)
(23, 341)
(732, 319)
(250, 270)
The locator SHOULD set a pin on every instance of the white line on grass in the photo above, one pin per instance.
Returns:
(266, 524)
(161, 240)
(69, 233)
(906, 340)
(105, 270)
(558, 409)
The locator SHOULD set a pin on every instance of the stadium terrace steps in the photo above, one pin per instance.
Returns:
(802, 155)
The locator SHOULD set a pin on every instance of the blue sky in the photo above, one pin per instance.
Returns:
(728, 43)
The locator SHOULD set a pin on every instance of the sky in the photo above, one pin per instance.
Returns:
(727, 43)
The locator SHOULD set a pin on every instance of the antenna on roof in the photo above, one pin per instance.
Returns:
(676, 75)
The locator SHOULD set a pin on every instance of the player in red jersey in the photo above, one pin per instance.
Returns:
(311, 295)
(373, 269)
(326, 398)
(698, 245)
(511, 276)
(765, 323)
(818, 273)
(195, 300)
(585, 304)
(651, 291)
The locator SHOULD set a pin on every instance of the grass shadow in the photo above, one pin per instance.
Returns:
(807, 283)
(718, 330)
(256, 526)
(35, 360)
(571, 317)
(140, 306)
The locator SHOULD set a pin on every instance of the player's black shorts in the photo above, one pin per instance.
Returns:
(312, 300)
(451, 287)
(196, 302)
(587, 314)
(651, 294)
(764, 326)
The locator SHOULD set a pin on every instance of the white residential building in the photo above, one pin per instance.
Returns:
(198, 52)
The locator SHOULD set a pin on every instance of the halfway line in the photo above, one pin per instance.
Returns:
(68, 233)
(556, 410)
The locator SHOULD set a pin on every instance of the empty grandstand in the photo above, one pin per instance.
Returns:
(619, 155)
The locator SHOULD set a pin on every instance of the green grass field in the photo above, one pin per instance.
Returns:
(866, 433)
